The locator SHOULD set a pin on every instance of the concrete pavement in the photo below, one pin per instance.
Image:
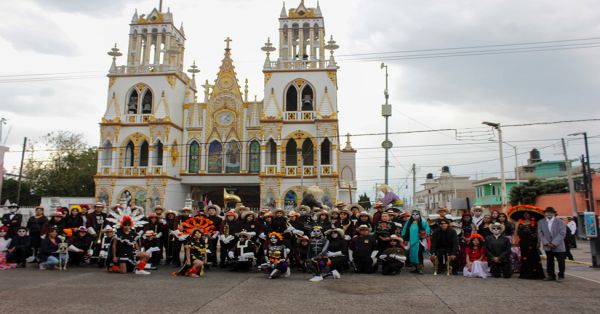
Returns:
(90, 290)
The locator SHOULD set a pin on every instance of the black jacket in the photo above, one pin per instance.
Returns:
(12, 224)
(446, 241)
(47, 248)
(499, 247)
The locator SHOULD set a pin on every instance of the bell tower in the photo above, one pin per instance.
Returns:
(300, 124)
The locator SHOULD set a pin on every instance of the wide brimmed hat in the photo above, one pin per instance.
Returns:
(378, 205)
(244, 233)
(13, 205)
(477, 209)
(277, 210)
(242, 209)
(159, 207)
(395, 237)
(364, 213)
(442, 210)
(324, 212)
(247, 213)
(516, 213)
(215, 207)
(361, 227)
(231, 213)
(187, 208)
(170, 212)
(108, 228)
(76, 207)
(152, 215)
(339, 231)
(149, 233)
(550, 210)
(302, 238)
(340, 204)
(99, 204)
(305, 208)
(357, 206)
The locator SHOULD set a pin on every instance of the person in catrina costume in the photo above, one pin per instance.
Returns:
(195, 232)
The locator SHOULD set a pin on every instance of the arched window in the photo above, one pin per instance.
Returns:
(215, 157)
(132, 102)
(194, 157)
(232, 157)
(271, 152)
(291, 99)
(140, 199)
(158, 153)
(126, 197)
(106, 156)
(144, 154)
(308, 153)
(254, 157)
(291, 155)
(128, 160)
(147, 102)
(307, 98)
(326, 152)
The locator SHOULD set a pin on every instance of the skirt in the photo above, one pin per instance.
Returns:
(478, 270)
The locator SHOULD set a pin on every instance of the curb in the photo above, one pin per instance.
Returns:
(572, 262)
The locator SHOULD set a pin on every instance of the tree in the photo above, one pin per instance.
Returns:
(70, 169)
(9, 192)
(527, 193)
(364, 201)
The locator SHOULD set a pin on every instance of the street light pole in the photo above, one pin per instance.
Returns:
(502, 177)
(386, 112)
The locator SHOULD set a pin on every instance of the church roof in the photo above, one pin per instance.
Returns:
(226, 81)
(302, 12)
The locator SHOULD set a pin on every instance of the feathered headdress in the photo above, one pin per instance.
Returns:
(277, 235)
(188, 227)
(119, 216)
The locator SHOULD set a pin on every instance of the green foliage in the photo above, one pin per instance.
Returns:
(364, 201)
(527, 193)
(68, 171)
(9, 192)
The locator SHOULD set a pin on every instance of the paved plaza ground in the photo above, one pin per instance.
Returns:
(90, 290)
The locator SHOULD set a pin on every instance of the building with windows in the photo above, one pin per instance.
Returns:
(442, 191)
(536, 168)
(159, 144)
(488, 192)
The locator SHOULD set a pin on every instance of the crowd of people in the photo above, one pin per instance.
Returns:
(310, 239)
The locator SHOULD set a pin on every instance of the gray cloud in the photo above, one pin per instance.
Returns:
(501, 84)
(32, 32)
(90, 7)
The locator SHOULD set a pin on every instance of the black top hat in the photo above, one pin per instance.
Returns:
(550, 209)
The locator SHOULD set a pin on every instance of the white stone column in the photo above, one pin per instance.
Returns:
(157, 48)
(281, 38)
(203, 146)
(263, 153)
(301, 43)
(138, 49)
(147, 46)
(312, 44)
(167, 47)
(289, 43)
(322, 47)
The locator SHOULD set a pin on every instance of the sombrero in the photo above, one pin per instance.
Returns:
(515, 213)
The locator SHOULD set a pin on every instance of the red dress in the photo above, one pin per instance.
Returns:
(475, 254)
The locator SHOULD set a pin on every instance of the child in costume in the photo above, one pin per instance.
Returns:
(337, 252)
(317, 259)
(243, 253)
(477, 265)
(20, 248)
(104, 257)
(277, 260)
(126, 252)
(393, 257)
(195, 232)
(151, 248)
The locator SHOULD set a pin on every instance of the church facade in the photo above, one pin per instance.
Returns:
(166, 141)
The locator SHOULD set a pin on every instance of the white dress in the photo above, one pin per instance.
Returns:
(479, 269)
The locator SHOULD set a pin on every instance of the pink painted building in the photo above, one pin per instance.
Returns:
(562, 201)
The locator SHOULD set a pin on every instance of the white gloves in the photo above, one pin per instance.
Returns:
(231, 254)
(159, 235)
(73, 248)
(298, 232)
(383, 256)
(248, 255)
(347, 238)
(335, 254)
(91, 231)
(227, 239)
(374, 257)
(263, 236)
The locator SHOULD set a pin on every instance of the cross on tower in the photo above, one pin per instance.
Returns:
(228, 40)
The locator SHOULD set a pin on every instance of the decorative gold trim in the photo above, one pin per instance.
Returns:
(111, 81)
(171, 79)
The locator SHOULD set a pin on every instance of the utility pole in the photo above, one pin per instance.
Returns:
(386, 112)
(21, 171)
(414, 185)
(502, 177)
(569, 178)
(594, 242)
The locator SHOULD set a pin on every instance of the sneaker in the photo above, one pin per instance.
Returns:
(142, 272)
(336, 274)
(288, 272)
(316, 278)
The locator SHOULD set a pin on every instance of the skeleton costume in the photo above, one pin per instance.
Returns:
(498, 248)
(196, 232)
(337, 252)
(243, 252)
(317, 259)
(364, 250)
(105, 253)
(277, 260)
(124, 243)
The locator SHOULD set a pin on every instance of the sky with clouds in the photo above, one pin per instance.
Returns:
(63, 36)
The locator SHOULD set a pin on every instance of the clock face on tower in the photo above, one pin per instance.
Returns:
(225, 118)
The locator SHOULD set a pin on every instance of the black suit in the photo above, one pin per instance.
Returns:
(12, 223)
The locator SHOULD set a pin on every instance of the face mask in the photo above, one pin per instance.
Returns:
(334, 235)
(496, 230)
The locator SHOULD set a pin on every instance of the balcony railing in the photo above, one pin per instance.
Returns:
(299, 116)
(137, 118)
(299, 64)
(145, 68)
(326, 170)
(134, 171)
(271, 170)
